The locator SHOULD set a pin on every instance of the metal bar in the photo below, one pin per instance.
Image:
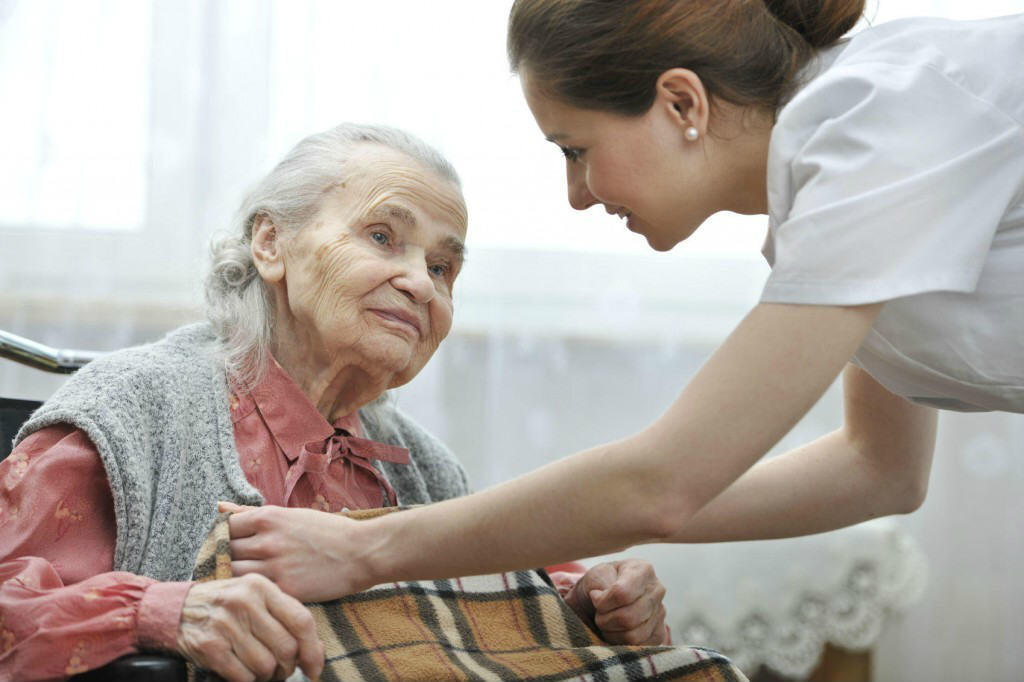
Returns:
(33, 354)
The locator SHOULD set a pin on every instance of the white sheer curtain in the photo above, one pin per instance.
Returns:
(131, 128)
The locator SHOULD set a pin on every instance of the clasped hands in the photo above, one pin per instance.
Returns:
(254, 627)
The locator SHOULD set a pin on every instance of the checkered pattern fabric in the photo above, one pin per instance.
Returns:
(505, 626)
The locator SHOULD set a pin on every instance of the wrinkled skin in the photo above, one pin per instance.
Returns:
(620, 600)
(247, 629)
(623, 602)
(362, 297)
(363, 294)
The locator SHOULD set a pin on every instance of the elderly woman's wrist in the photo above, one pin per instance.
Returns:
(159, 615)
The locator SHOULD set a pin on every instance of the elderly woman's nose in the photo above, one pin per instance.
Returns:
(415, 281)
(580, 197)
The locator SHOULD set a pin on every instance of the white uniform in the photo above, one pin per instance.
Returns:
(896, 173)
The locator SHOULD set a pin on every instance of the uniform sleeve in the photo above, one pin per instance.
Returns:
(62, 609)
(886, 181)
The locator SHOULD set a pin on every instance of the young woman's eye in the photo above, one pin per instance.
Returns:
(572, 153)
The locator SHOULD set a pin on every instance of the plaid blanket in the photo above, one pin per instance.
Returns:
(506, 626)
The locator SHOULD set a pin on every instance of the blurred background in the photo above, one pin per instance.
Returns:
(129, 131)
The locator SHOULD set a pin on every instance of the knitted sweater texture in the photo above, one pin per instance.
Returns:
(158, 415)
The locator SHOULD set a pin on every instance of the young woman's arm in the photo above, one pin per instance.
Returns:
(646, 488)
(875, 465)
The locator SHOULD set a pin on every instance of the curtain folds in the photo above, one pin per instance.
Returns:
(131, 129)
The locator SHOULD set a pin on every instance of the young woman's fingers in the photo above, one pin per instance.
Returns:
(225, 506)
(251, 567)
(249, 547)
(242, 524)
(253, 520)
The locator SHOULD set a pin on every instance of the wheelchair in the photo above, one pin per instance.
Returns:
(13, 413)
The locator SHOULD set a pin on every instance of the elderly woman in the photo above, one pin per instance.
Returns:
(337, 287)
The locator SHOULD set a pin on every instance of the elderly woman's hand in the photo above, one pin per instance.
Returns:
(304, 551)
(622, 600)
(247, 629)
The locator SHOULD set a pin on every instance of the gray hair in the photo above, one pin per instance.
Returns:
(238, 304)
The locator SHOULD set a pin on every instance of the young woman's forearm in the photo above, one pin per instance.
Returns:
(572, 508)
(642, 489)
(819, 487)
(875, 465)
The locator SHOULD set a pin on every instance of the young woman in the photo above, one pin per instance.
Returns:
(891, 166)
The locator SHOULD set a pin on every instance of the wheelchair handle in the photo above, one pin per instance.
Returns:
(33, 354)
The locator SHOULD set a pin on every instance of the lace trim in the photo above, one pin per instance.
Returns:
(851, 616)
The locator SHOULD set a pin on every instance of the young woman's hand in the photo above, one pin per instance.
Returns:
(307, 553)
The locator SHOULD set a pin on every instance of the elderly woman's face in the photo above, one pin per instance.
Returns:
(370, 281)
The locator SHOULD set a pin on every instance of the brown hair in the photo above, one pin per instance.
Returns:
(608, 54)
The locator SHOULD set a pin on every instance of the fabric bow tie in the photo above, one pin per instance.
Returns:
(316, 458)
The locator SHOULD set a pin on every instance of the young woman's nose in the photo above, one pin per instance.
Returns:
(580, 197)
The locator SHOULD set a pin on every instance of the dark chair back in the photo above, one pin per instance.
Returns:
(13, 413)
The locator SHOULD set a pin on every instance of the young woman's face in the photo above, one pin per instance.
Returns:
(640, 168)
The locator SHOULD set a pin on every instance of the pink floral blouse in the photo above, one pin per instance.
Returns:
(63, 610)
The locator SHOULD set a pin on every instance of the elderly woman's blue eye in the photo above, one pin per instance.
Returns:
(380, 237)
(438, 270)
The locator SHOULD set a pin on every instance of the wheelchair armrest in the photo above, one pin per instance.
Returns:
(138, 668)
(34, 354)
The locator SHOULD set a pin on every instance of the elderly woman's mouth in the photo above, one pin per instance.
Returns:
(399, 318)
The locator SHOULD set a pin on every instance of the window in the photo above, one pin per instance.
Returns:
(131, 129)
(75, 145)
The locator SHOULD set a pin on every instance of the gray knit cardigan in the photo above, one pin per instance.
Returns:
(158, 415)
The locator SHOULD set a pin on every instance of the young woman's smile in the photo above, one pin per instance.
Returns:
(645, 170)
(621, 163)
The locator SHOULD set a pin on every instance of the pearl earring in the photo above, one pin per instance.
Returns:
(691, 133)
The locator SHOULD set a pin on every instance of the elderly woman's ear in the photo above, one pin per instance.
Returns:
(267, 249)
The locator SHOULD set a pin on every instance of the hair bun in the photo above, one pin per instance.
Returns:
(820, 22)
